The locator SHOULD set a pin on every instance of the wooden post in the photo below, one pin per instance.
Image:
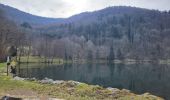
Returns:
(7, 70)
(8, 63)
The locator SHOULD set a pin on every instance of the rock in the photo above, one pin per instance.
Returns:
(54, 99)
(146, 93)
(125, 90)
(47, 81)
(31, 79)
(58, 82)
(18, 78)
(73, 83)
(10, 98)
(51, 81)
(114, 90)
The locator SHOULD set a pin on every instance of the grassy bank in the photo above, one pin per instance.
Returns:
(70, 91)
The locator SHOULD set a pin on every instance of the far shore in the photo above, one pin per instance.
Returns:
(35, 59)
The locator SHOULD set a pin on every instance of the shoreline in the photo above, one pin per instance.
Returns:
(73, 90)
(35, 59)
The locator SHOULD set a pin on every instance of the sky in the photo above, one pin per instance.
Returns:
(67, 8)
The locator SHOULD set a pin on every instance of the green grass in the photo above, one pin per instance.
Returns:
(7, 83)
(36, 59)
(2, 67)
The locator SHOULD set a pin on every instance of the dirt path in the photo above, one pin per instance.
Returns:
(22, 94)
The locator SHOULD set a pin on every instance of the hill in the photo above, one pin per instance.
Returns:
(20, 17)
(114, 32)
(132, 32)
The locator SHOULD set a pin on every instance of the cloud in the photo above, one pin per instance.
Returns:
(66, 8)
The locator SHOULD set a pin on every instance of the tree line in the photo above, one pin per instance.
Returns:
(140, 34)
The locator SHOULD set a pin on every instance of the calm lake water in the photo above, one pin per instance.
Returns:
(139, 78)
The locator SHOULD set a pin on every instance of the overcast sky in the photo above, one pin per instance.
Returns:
(66, 8)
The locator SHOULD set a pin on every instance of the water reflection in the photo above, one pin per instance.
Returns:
(139, 78)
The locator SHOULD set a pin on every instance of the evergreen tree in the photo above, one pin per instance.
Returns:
(111, 54)
(119, 55)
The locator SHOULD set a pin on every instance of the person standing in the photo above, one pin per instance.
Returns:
(13, 71)
(13, 68)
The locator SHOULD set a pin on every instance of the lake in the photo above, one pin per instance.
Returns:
(139, 78)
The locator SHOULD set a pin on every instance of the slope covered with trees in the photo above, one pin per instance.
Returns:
(111, 33)
(10, 35)
(129, 32)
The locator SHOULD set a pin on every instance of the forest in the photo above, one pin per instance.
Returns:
(112, 33)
